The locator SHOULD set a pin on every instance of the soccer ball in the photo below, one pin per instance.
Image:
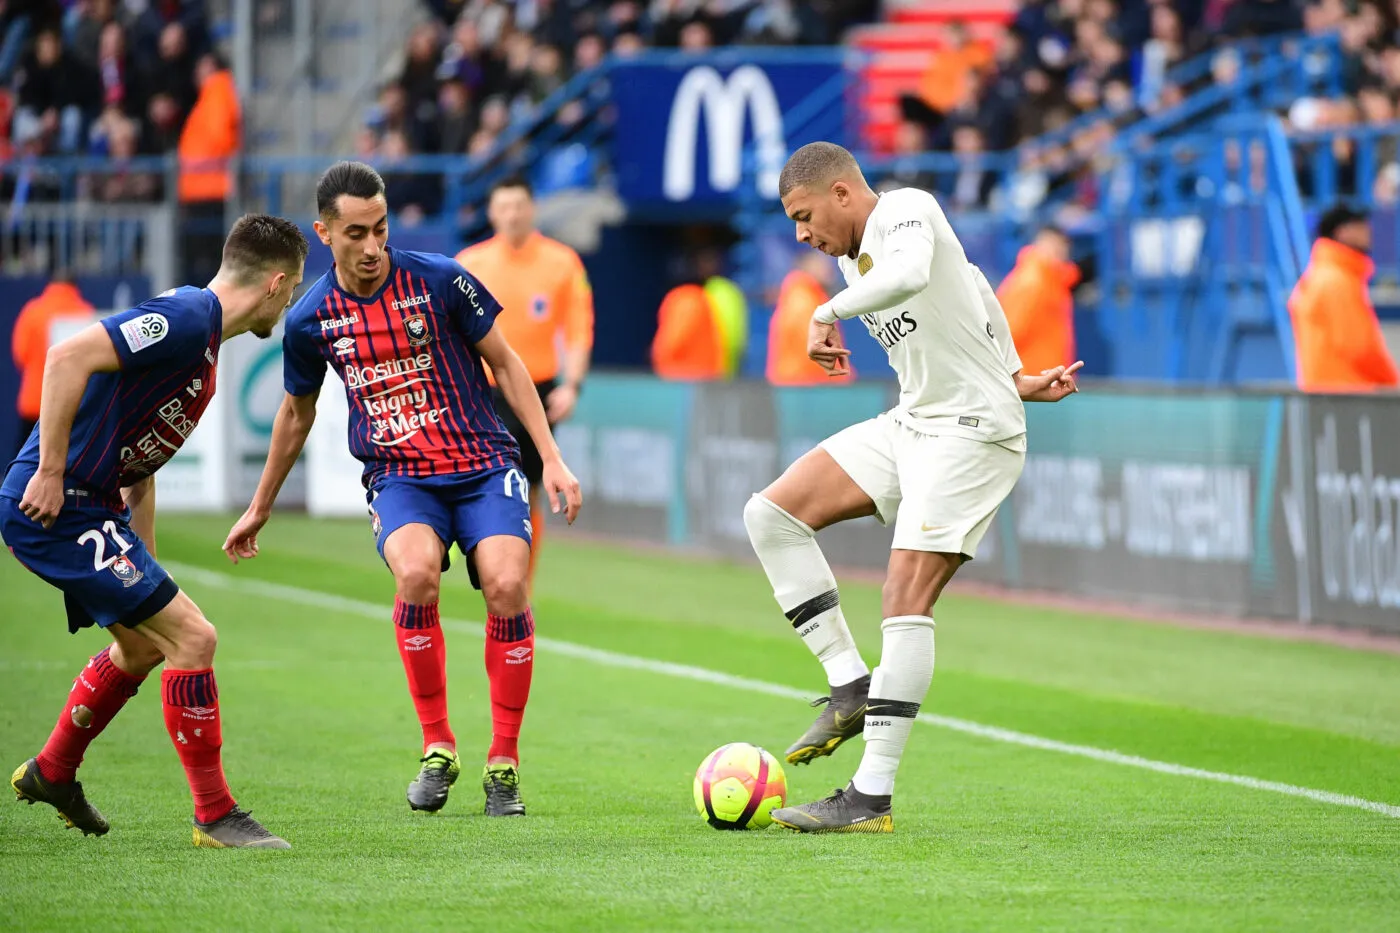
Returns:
(738, 786)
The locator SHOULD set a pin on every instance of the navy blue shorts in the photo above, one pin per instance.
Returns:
(463, 509)
(104, 570)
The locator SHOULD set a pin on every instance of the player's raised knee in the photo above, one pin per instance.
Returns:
(137, 656)
(418, 582)
(195, 643)
(506, 590)
(766, 521)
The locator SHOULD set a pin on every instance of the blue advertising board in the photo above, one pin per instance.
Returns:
(684, 121)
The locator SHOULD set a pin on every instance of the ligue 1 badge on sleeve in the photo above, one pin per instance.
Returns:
(416, 326)
(864, 264)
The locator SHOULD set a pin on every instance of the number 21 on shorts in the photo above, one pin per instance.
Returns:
(98, 540)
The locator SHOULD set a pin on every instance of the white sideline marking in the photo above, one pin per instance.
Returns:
(370, 610)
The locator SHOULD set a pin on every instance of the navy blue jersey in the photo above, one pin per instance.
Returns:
(420, 404)
(131, 422)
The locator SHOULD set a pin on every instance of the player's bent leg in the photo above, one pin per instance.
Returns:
(897, 690)
(99, 692)
(502, 566)
(816, 491)
(782, 521)
(414, 554)
(190, 699)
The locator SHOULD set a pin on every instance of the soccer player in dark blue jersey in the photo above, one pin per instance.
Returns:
(77, 508)
(408, 333)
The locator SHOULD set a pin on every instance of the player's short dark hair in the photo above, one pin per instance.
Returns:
(514, 180)
(1338, 216)
(814, 166)
(352, 179)
(261, 243)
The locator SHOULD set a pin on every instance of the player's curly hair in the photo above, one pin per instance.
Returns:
(815, 165)
(354, 179)
(259, 243)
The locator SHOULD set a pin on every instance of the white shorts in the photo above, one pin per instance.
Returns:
(940, 491)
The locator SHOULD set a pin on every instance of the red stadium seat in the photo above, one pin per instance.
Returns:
(899, 52)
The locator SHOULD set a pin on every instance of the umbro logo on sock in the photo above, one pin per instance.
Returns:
(418, 642)
(519, 655)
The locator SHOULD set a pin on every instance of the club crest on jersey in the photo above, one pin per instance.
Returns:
(864, 264)
(125, 571)
(539, 307)
(416, 326)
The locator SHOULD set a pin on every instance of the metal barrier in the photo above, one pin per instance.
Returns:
(90, 216)
(1227, 503)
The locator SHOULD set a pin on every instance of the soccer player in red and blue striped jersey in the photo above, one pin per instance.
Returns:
(77, 508)
(408, 334)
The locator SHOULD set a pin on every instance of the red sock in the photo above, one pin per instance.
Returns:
(98, 694)
(424, 654)
(510, 660)
(191, 700)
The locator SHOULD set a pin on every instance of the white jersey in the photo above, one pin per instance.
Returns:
(933, 311)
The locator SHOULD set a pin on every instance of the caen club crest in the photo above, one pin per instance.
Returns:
(375, 525)
(416, 326)
(126, 571)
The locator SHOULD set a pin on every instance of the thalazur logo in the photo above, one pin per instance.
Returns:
(411, 302)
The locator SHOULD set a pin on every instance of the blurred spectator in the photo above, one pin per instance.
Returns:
(55, 94)
(1340, 347)
(803, 289)
(971, 184)
(1261, 18)
(909, 142)
(464, 59)
(172, 71)
(122, 184)
(120, 82)
(1038, 299)
(30, 344)
(456, 120)
(688, 346)
(19, 20)
(84, 26)
(411, 195)
(163, 123)
(419, 78)
(589, 52)
(697, 36)
(207, 146)
(546, 72)
(949, 79)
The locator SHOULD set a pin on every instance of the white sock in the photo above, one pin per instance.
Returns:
(897, 688)
(805, 588)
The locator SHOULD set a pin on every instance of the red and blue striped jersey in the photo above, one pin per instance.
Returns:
(419, 401)
(131, 422)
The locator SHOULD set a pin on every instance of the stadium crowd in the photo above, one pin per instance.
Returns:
(479, 64)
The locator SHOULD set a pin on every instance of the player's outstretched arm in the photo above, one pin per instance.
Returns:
(67, 369)
(514, 381)
(289, 432)
(1051, 385)
(141, 499)
(900, 272)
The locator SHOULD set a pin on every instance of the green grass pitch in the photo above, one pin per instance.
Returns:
(320, 742)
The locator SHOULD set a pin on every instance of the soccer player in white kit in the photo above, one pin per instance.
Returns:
(937, 466)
